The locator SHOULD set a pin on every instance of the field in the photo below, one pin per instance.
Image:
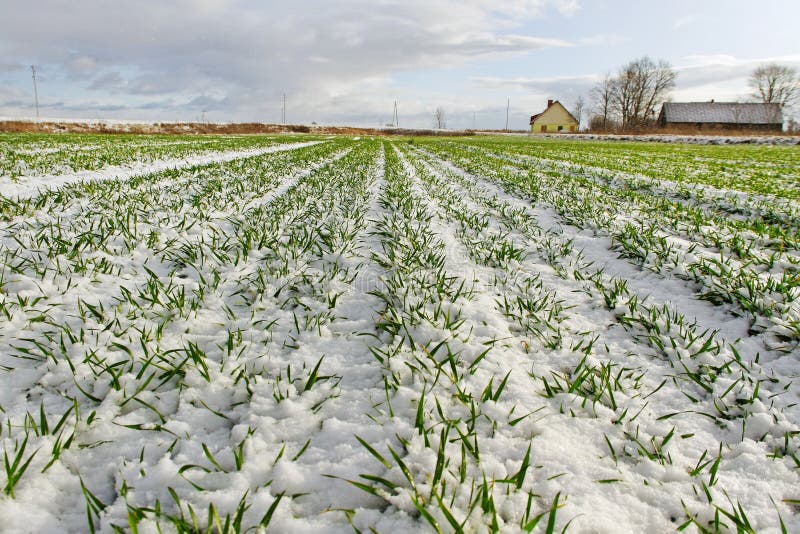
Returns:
(343, 334)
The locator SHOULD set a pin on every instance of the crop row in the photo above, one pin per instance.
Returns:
(439, 335)
(35, 155)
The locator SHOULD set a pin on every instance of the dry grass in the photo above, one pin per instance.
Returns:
(204, 128)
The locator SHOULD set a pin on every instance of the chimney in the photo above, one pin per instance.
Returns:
(549, 103)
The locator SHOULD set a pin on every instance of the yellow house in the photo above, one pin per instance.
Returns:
(554, 119)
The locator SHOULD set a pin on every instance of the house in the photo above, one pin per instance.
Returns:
(721, 116)
(555, 118)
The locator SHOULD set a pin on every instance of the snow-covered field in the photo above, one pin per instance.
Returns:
(30, 185)
(343, 334)
(693, 139)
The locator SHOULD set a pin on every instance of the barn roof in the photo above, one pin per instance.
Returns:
(722, 112)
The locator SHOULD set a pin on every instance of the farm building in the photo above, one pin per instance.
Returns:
(721, 116)
(555, 118)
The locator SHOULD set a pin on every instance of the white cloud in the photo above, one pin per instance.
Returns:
(523, 8)
(81, 64)
(249, 51)
(544, 84)
(569, 7)
(705, 74)
(685, 20)
(603, 39)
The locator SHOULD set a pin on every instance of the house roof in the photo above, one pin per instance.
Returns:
(722, 112)
(534, 117)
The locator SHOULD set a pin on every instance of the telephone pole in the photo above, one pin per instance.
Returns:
(474, 119)
(35, 90)
(508, 104)
(395, 119)
(283, 109)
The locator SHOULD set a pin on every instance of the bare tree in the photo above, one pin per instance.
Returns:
(638, 88)
(622, 92)
(577, 110)
(775, 84)
(439, 118)
(630, 98)
(602, 102)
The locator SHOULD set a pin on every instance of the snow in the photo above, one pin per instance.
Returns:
(689, 139)
(29, 186)
(291, 324)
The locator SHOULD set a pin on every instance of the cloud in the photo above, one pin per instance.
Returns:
(80, 65)
(714, 70)
(685, 20)
(11, 96)
(523, 8)
(569, 8)
(244, 52)
(603, 39)
(544, 85)
(9, 66)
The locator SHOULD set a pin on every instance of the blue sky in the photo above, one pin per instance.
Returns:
(346, 62)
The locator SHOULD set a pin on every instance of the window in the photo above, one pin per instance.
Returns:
(560, 128)
(544, 127)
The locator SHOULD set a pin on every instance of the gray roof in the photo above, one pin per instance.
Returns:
(722, 112)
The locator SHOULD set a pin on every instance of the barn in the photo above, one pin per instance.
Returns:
(555, 118)
(721, 116)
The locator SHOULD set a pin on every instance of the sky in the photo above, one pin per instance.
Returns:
(349, 61)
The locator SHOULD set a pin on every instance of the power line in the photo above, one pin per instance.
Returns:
(35, 90)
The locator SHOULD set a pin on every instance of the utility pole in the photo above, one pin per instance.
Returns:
(395, 119)
(35, 91)
(283, 109)
(203, 117)
(508, 104)
(474, 119)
